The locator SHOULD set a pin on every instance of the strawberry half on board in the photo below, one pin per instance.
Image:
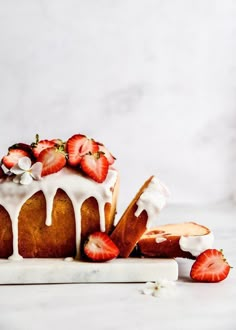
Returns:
(53, 160)
(210, 266)
(99, 247)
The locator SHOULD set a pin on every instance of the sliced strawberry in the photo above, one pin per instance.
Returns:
(40, 146)
(22, 146)
(13, 156)
(95, 166)
(107, 153)
(53, 160)
(79, 145)
(210, 266)
(99, 247)
(57, 142)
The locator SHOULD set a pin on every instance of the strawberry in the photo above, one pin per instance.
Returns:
(13, 156)
(22, 146)
(57, 142)
(99, 247)
(53, 160)
(95, 166)
(79, 145)
(40, 146)
(107, 153)
(210, 266)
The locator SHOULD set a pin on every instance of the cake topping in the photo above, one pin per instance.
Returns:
(25, 173)
(39, 146)
(53, 160)
(78, 146)
(84, 154)
(95, 166)
(13, 157)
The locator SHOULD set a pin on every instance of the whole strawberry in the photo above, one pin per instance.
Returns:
(210, 266)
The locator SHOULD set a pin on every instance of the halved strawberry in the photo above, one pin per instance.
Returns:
(40, 146)
(107, 153)
(79, 145)
(95, 166)
(53, 160)
(210, 266)
(22, 146)
(99, 247)
(57, 142)
(13, 156)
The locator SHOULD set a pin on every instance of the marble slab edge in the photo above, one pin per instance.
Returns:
(45, 271)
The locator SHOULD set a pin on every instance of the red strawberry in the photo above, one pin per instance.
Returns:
(40, 146)
(13, 156)
(79, 145)
(22, 146)
(107, 153)
(57, 142)
(95, 166)
(53, 160)
(99, 247)
(210, 266)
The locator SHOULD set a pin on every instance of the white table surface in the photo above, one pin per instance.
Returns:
(123, 306)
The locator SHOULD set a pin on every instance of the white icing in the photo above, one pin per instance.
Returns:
(69, 259)
(196, 244)
(77, 187)
(153, 200)
(160, 239)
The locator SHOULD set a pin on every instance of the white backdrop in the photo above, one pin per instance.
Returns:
(154, 80)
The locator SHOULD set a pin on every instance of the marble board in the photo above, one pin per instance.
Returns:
(36, 271)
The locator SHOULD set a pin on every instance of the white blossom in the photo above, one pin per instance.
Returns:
(25, 173)
(161, 288)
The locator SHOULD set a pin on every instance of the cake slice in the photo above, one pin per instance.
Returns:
(139, 215)
(185, 240)
(53, 194)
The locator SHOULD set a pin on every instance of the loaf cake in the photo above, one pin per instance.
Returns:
(53, 194)
(184, 240)
(139, 215)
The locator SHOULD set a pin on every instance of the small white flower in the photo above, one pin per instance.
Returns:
(161, 288)
(6, 170)
(25, 173)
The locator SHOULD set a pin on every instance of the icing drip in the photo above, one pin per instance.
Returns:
(196, 244)
(77, 187)
(153, 199)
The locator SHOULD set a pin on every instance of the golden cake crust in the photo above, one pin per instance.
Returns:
(130, 228)
(37, 240)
